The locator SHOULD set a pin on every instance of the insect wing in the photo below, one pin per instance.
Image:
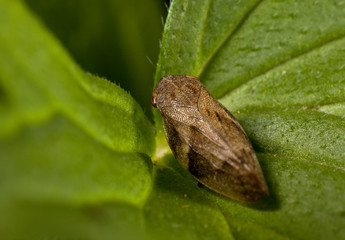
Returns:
(210, 143)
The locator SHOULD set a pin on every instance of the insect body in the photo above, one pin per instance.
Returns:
(207, 140)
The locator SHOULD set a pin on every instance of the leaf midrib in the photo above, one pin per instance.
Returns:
(293, 58)
(226, 38)
(229, 35)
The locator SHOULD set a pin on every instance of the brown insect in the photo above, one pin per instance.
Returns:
(207, 140)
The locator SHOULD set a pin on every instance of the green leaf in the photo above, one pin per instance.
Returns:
(78, 102)
(176, 209)
(74, 148)
(279, 67)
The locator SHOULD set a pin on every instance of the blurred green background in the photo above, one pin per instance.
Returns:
(74, 148)
(115, 39)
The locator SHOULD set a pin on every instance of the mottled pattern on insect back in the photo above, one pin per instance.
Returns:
(207, 140)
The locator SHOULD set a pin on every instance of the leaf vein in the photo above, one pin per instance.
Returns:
(227, 37)
(307, 161)
(308, 51)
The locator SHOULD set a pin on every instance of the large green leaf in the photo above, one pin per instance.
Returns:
(279, 66)
(74, 148)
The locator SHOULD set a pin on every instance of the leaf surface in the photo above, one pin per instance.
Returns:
(278, 66)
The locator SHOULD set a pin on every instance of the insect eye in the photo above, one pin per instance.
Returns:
(153, 100)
